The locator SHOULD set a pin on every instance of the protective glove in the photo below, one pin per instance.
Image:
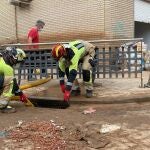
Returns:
(67, 95)
(62, 86)
(23, 98)
(92, 62)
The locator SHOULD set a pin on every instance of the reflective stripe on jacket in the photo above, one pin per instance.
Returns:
(79, 52)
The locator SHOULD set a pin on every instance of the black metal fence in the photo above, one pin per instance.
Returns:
(118, 63)
(39, 63)
(124, 61)
(111, 63)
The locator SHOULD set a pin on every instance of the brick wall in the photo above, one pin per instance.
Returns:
(7, 22)
(119, 18)
(66, 20)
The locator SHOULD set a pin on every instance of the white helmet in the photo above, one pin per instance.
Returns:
(13, 55)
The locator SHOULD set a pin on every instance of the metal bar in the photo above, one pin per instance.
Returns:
(116, 61)
(129, 62)
(136, 64)
(110, 62)
(93, 41)
(141, 65)
(122, 62)
(104, 61)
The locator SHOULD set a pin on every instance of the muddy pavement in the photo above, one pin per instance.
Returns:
(105, 91)
(79, 131)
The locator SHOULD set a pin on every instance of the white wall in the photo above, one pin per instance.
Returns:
(142, 11)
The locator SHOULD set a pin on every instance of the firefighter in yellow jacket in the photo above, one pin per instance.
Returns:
(9, 58)
(69, 56)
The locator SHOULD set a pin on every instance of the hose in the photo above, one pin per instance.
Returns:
(34, 83)
(30, 85)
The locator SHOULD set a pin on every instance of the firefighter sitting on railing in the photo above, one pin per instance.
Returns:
(69, 56)
(9, 58)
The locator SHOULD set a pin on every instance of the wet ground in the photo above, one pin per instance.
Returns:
(82, 131)
(118, 102)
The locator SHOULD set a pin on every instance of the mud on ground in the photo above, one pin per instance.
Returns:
(79, 131)
(31, 128)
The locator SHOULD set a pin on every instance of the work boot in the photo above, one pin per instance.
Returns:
(76, 92)
(8, 109)
(89, 93)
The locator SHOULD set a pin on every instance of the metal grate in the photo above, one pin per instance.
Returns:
(111, 63)
(118, 63)
(115, 58)
(37, 65)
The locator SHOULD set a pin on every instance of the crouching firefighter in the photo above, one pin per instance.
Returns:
(9, 58)
(69, 56)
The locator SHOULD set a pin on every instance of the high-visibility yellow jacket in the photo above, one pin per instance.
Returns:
(76, 51)
(6, 71)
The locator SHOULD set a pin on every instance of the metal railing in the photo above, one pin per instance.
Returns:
(115, 61)
(92, 41)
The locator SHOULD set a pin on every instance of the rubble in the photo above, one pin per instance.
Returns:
(39, 135)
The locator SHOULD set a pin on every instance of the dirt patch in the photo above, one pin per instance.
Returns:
(79, 130)
(34, 135)
(46, 135)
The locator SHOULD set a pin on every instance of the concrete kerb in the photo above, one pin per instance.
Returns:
(92, 100)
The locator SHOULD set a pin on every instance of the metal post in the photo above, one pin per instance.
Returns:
(141, 65)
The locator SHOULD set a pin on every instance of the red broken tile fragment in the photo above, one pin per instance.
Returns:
(89, 110)
(40, 135)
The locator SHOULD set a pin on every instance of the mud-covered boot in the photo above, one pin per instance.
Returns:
(76, 92)
(89, 93)
(8, 109)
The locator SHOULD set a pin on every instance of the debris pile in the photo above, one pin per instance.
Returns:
(37, 135)
(86, 136)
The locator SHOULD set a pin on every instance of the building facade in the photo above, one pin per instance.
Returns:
(67, 20)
